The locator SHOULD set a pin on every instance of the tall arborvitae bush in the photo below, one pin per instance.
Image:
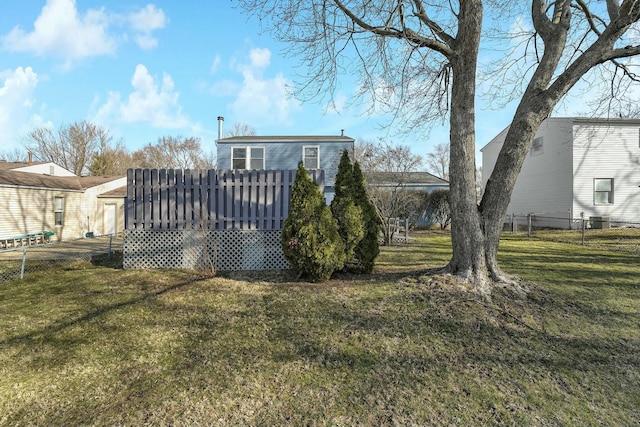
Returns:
(310, 239)
(346, 212)
(368, 248)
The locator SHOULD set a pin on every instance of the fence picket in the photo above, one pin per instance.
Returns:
(171, 191)
(173, 199)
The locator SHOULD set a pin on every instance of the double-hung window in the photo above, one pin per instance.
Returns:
(247, 158)
(58, 210)
(311, 156)
(603, 191)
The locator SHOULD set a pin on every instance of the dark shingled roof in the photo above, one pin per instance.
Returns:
(92, 181)
(288, 138)
(26, 179)
(118, 192)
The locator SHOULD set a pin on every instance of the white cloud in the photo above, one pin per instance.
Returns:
(144, 22)
(17, 88)
(150, 102)
(262, 99)
(260, 57)
(61, 30)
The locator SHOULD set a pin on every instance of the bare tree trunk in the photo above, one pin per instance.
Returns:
(467, 238)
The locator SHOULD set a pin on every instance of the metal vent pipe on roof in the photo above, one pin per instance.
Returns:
(220, 123)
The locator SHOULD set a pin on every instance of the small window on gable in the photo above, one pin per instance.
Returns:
(52, 170)
(311, 157)
(247, 158)
(58, 210)
(537, 147)
(603, 191)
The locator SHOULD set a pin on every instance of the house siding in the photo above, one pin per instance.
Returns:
(544, 183)
(560, 181)
(45, 169)
(287, 155)
(607, 151)
(31, 210)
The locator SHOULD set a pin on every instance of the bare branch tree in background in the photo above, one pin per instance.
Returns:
(71, 147)
(16, 155)
(241, 129)
(438, 161)
(173, 153)
(387, 169)
(419, 59)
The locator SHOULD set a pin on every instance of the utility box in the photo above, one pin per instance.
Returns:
(600, 222)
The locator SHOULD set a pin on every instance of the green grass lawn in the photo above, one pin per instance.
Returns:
(96, 345)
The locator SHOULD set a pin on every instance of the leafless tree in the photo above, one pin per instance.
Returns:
(438, 161)
(419, 60)
(241, 129)
(173, 153)
(15, 155)
(71, 146)
(387, 169)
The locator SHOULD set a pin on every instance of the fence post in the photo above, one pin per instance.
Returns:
(110, 241)
(582, 226)
(406, 230)
(24, 260)
(529, 224)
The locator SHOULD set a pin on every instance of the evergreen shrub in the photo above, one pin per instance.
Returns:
(346, 212)
(367, 250)
(310, 239)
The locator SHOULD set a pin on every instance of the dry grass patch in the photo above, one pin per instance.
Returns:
(95, 345)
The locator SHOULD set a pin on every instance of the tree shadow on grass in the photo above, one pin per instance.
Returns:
(50, 330)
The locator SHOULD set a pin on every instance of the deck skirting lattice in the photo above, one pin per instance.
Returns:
(227, 250)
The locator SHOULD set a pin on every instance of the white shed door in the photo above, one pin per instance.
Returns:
(110, 219)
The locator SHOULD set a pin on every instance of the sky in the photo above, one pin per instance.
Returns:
(146, 70)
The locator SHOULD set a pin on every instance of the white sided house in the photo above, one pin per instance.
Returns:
(46, 198)
(576, 167)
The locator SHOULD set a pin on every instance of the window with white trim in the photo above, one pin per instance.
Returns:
(603, 191)
(247, 158)
(58, 210)
(311, 156)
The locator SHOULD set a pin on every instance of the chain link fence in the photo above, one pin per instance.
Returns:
(17, 263)
(596, 231)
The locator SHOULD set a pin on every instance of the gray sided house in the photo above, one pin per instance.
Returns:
(577, 166)
(423, 182)
(285, 152)
(415, 181)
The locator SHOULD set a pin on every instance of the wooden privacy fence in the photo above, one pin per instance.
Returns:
(174, 199)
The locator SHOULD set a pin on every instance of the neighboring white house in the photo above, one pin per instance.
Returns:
(577, 166)
(37, 201)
